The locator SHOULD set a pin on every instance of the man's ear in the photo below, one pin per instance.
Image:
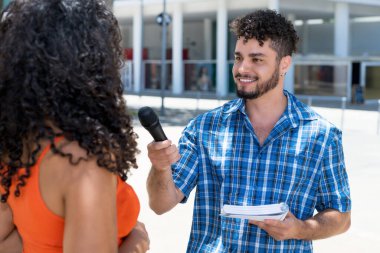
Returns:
(285, 64)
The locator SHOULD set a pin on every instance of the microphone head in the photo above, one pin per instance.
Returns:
(147, 116)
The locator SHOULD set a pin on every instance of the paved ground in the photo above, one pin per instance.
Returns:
(169, 232)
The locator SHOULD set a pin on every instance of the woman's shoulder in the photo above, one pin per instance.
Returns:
(73, 177)
(76, 168)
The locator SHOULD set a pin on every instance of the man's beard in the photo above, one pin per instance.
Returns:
(261, 87)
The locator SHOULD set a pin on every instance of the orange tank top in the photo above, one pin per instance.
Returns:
(42, 231)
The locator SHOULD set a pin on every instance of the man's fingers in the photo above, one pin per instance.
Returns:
(158, 145)
(163, 154)
(167, 153)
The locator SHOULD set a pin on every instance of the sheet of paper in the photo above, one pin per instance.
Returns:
(259, 213)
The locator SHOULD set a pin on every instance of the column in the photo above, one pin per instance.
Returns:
(137, 50)
(304, 75)
(342, 48)
(305, 38)
(177, 66)
(221, 50)
(342, 29)
(289, 78)
(274, 5)
(207, 26)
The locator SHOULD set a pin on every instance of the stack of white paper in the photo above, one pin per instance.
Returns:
(259, 213)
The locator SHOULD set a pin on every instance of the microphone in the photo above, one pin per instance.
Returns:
(149, 120)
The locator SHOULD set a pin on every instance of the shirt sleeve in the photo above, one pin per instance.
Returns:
(185, 171)
(334, 190)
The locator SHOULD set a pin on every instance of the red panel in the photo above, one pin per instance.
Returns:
(128, 53)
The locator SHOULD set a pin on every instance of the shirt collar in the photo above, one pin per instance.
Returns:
(296, 111)
(234, 106)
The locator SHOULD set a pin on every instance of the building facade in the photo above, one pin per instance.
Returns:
(338, 54)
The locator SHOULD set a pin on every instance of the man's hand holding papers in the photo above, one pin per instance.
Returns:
(258, 213)
(275, 219)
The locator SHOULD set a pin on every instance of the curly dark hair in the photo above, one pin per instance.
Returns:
(267, 24)
(59, 65)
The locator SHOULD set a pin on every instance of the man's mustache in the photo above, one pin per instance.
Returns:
(254, 78)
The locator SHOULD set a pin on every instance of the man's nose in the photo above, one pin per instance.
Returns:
(244, 66)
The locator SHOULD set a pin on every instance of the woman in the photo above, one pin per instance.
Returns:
(66, 143)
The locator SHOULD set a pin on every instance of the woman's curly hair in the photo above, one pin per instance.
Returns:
(59, 65)
(267, 24)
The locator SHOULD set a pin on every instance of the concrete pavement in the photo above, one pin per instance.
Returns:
(169, 232)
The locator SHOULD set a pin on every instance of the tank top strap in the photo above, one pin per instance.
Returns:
(47, 148)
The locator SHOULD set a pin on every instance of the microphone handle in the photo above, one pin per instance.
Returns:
(157, 133)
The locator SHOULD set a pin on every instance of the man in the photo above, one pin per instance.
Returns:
(264, 148)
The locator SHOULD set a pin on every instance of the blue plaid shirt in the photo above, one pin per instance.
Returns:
(301, 163)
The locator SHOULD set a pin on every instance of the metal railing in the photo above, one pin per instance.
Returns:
(378, 117)
(311, 76)
(322, 77)
(378, 114)
(199, 75)
(126, 75)
(152, 73)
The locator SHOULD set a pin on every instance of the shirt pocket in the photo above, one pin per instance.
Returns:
(215, 155)
(292, 171)
(226, 167)
(305, 178)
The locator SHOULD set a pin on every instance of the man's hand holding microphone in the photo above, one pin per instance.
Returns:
(163, 194)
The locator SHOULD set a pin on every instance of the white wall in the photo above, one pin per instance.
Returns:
(365, 39)
(127, 35)
(153, 38)
(320, 39)
(193, 39)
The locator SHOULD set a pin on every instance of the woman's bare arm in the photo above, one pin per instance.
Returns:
(10, 241)
(90, 210)
(137, 241)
